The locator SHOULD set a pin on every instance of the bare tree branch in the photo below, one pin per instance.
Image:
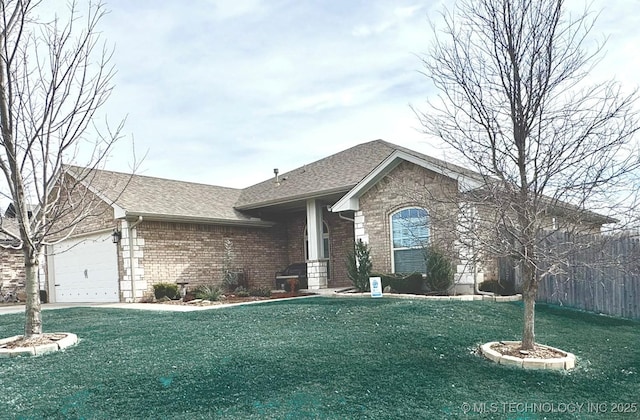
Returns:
(54, 77)
(518, 104)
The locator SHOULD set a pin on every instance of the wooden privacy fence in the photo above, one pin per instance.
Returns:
(594, 273)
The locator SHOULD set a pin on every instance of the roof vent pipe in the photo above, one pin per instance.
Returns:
(275, 172)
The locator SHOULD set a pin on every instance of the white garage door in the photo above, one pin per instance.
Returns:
(86, 269)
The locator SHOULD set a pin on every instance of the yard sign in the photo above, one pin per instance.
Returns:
(376, 286)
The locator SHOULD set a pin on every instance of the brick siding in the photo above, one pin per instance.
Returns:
(179, 252)
(405, 186)
(12, 271)
(84, 210)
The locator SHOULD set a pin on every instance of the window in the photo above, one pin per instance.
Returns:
(409, 237)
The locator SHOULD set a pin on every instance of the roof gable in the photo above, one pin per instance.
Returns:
(466, 179)
(336, 173)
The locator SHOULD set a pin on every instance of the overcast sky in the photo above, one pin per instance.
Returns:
(223, 91)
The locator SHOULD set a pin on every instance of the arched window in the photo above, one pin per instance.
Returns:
(409, 238)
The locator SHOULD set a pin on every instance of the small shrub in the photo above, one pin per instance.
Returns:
(229, 277)
(439, 271)
(208, 292)
(260, 291)
(241, 292)
(402, 282)
(169, 290)
(359, 266)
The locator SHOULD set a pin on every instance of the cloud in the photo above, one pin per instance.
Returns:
(223, 91)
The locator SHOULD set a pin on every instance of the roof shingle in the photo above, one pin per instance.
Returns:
(144, 195)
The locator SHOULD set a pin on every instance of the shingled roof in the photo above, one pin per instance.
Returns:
(158, 198)
(336, 173)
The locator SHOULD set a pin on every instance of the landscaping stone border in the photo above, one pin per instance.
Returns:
(67, 340)
(469, 298)
(559, 363)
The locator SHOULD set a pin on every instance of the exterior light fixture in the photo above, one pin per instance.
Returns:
(116, 235)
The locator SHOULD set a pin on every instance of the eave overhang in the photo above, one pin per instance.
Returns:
(154, 217)
(294, 198)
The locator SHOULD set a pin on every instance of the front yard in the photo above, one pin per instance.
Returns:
(320, 358)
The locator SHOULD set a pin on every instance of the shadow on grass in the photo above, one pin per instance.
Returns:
(314, 358)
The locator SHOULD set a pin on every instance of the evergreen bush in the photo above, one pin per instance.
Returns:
(439, 271)
(359, 266)
(169, 290)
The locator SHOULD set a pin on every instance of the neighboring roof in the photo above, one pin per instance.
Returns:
(11, 210)
(9, 224)
(163, 199)
(337, 173)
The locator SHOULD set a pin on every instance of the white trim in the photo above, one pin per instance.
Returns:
(327, 236)
(314, 229)
(351, 200)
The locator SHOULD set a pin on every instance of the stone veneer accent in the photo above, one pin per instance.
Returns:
(317, 274)
(129, 264)
(360, 232)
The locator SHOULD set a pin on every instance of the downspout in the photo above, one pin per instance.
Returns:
(132, 267)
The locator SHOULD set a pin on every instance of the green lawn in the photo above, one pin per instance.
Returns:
(319, 358)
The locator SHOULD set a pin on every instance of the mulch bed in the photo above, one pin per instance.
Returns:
(515, 350)
(34, 341)
(233, 299)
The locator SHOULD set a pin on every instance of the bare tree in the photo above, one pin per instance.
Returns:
(518, 103)
(54, 76)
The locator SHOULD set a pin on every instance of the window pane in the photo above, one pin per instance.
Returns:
(409, 261)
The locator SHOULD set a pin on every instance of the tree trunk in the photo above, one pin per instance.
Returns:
(529, 297)
(33, 321)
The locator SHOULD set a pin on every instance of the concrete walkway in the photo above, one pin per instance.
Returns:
(11, 309)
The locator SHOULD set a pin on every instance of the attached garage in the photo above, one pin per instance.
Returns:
(84, 269)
